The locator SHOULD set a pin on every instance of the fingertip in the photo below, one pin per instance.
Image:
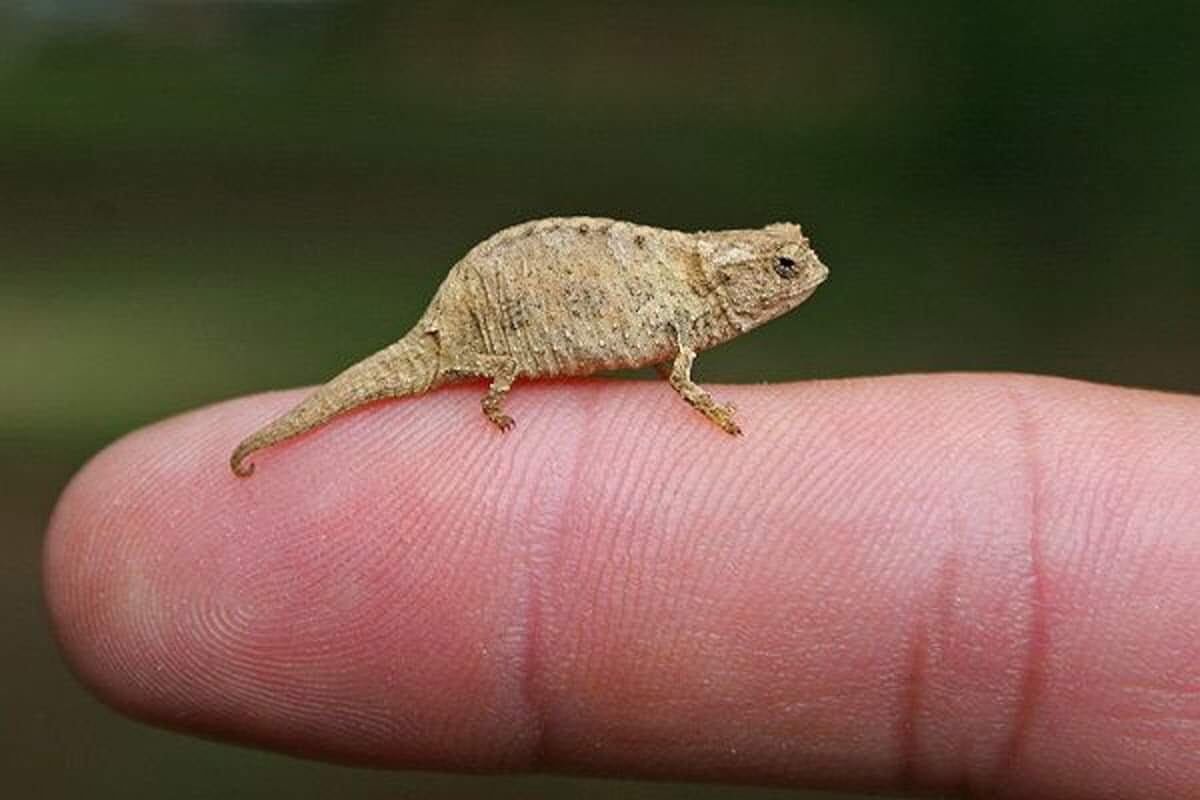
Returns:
(133, 545)
(89, 564)
(297, 612)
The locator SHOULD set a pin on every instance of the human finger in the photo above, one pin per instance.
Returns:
(946, 582)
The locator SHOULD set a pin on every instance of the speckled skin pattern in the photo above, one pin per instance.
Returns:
(571, 296)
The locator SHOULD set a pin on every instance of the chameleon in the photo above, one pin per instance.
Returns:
(570, 296)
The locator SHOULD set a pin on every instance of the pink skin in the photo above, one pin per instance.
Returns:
(983, 584)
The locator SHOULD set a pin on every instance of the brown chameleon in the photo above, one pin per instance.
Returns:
(572, 296)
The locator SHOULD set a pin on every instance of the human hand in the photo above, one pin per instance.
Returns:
(983, 584)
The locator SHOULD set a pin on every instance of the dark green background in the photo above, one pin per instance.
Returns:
(198, 201)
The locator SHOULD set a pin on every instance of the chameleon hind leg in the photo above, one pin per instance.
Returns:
(502, 371)
(679, 375)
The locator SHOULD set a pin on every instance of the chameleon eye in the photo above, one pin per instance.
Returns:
(785, 267)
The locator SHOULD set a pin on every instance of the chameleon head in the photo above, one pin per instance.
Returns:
(760, 274)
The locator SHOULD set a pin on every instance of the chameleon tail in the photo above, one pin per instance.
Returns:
(407, 367)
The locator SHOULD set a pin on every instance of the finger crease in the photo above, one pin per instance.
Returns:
(1031, 685)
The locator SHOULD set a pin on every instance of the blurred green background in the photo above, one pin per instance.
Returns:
(203, 199)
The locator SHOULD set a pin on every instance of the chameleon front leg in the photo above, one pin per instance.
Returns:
(502, 371)
(679, 375)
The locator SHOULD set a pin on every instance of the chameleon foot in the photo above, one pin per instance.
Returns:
(722, 415)
(493, 410)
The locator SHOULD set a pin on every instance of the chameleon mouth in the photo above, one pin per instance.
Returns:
(817, 271)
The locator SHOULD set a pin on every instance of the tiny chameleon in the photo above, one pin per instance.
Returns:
(570, 296)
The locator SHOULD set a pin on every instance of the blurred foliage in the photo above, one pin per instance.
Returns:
(221, 198)
(203, 199)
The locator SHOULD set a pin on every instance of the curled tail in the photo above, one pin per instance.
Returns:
(407, 367)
